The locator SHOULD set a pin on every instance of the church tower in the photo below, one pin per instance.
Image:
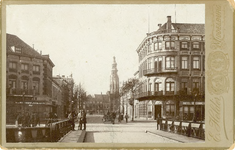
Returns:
(114, 87)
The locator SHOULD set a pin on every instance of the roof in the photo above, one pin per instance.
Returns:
(13, 40)
(26, 50)
(98, 98)
(183, 28)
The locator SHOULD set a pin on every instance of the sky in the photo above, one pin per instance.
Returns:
(82, 39)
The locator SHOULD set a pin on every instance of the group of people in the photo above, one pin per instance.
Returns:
(28, 119)
(80, 117)
(111, 117)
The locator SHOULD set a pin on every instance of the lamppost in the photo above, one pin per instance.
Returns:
(23, 96)
(194, 94)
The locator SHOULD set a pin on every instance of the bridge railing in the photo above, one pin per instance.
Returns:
(191, 129)
(51, 133)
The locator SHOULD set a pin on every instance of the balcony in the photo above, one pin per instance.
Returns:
(169, 93)
(13, 92)
(155, 71)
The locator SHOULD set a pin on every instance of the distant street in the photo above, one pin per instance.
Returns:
(131, 132)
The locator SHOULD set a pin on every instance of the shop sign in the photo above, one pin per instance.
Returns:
(192, 103)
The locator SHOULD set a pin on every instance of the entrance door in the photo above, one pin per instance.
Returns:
(157, 111)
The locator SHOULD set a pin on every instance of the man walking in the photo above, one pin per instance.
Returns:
(79, 120)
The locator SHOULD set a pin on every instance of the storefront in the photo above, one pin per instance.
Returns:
(186, 111)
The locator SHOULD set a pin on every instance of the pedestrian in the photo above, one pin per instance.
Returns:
(84, 119)
(79, 117)
(126, 117)
(158, 121)
(37, 121)
(71, 120)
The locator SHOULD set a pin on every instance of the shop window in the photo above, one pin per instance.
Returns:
(169, 109)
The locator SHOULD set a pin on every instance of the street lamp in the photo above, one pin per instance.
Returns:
(23, 95)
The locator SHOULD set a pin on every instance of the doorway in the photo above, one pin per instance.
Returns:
(157, 111)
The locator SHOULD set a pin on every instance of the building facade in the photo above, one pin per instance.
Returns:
(172, 72)
(97, 104)
(67, 100)
(28, 80)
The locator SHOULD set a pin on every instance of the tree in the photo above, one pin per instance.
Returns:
(131, 85)
(80, 95)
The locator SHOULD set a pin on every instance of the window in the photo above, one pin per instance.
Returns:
(150, 47)
(158, 46)
(196, 45)
(184, 62)
(36, 87)
(170, 108)
(170, 85)
(12, 65)
(184, 45)
(170, 45)
(150, 84)
(150, 63)
(170, 62)
(196, 64)
(183, 85)
(24, 67)
(158, 85)
(195, 84)
(36, 68)
(12, 83)
(24, 84)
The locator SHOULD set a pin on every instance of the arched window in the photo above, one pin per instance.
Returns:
(24, 83)
(170, 86)
(36, 82)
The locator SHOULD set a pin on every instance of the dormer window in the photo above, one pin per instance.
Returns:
(16, 49)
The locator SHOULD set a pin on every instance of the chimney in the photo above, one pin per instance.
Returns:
(159, 25)
(168, 26)
(40, 52)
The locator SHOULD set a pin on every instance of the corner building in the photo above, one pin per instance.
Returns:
(28, 80)
(172, 72)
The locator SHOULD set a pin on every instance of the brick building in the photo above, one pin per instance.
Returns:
(28, 80)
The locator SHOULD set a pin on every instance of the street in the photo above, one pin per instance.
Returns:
(131, 132)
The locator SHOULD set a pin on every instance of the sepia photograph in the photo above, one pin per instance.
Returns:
(105, 73)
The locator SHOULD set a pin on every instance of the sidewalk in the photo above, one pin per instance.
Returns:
(176, 137)
(76, 136)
